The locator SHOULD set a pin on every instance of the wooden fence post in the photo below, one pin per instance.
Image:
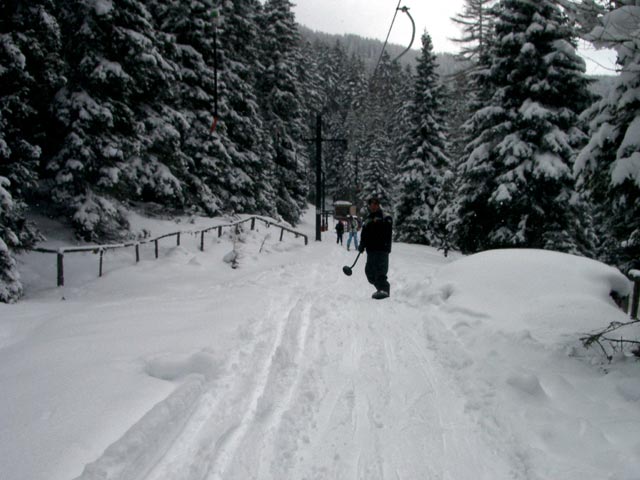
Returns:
(220, 231)
(137, 252)
(281, 233)
(635, 297)
(253, 223)
(178, 239)
(60, 269)
(202, 241)
(156, 242)
(101, 255)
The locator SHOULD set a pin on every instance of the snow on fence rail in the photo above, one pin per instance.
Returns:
(100, 249)
(630, 303)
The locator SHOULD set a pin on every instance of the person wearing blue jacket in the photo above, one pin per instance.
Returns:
(376, 240)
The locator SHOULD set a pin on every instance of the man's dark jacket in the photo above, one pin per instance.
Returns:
(376, 233)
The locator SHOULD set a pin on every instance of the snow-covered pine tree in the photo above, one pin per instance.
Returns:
(282, 108)
(30, 71)
(466, 87)
(117, 141)
(377, 114)
(354, 84)
(191, 25)
(251, 177)
(609, 166)
(340, 92)
(422, 160)
(30, 49)
(517, 188)
(312, 58)
(10, 285)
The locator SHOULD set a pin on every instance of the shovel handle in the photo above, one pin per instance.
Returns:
(356, 260)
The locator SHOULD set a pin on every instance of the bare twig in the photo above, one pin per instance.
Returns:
(601, 336)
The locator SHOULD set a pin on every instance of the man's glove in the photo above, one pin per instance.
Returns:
(361, 249)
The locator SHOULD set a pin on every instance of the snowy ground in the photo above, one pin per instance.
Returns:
(284, 368)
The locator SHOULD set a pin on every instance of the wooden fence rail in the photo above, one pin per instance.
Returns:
(100, 249)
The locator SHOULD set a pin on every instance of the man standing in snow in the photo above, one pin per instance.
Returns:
(376, 240)
(353, 232)
(339, 231)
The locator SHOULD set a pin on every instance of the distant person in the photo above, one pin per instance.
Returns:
(376, 240)
(352, 226)
(339, 231)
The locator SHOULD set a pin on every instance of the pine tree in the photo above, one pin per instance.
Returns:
(517, 188)
(30, 71)
(377, 115)
(354, 82)
(10, 286)
(608, 165)
(118, 141)
(476, 23)
(345, 81)
(192, 26)
(30, 46)
(422, 158)
(281, 106)
(250, 178)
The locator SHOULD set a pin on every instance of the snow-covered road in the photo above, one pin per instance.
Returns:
(329, 384)
(286, 369)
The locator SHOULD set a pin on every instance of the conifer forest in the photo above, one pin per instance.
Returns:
(208, 107)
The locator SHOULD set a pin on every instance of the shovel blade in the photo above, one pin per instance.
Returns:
(347, 270)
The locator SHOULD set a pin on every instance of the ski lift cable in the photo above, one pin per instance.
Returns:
(387, 39)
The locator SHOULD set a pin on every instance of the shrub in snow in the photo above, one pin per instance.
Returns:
(98, 218)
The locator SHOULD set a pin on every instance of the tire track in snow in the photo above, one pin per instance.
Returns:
(332, 386)
(268, 450)
(262, 400)
(240, 408)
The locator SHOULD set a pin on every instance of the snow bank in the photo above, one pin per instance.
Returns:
(512, 320)
(535, 289)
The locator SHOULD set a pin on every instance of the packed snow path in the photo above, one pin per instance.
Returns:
(285, 369)
(330, 384)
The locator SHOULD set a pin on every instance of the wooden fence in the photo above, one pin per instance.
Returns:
(100, 249)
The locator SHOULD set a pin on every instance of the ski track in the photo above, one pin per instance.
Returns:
(332, 386)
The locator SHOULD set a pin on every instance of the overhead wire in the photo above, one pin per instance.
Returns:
(384, 46)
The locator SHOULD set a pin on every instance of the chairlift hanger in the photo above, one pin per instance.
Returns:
(413, 34)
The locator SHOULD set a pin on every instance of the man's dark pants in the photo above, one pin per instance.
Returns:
(376, 270)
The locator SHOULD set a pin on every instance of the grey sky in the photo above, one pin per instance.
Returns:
(372, 18)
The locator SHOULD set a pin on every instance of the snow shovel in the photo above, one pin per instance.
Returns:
(347, 270)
